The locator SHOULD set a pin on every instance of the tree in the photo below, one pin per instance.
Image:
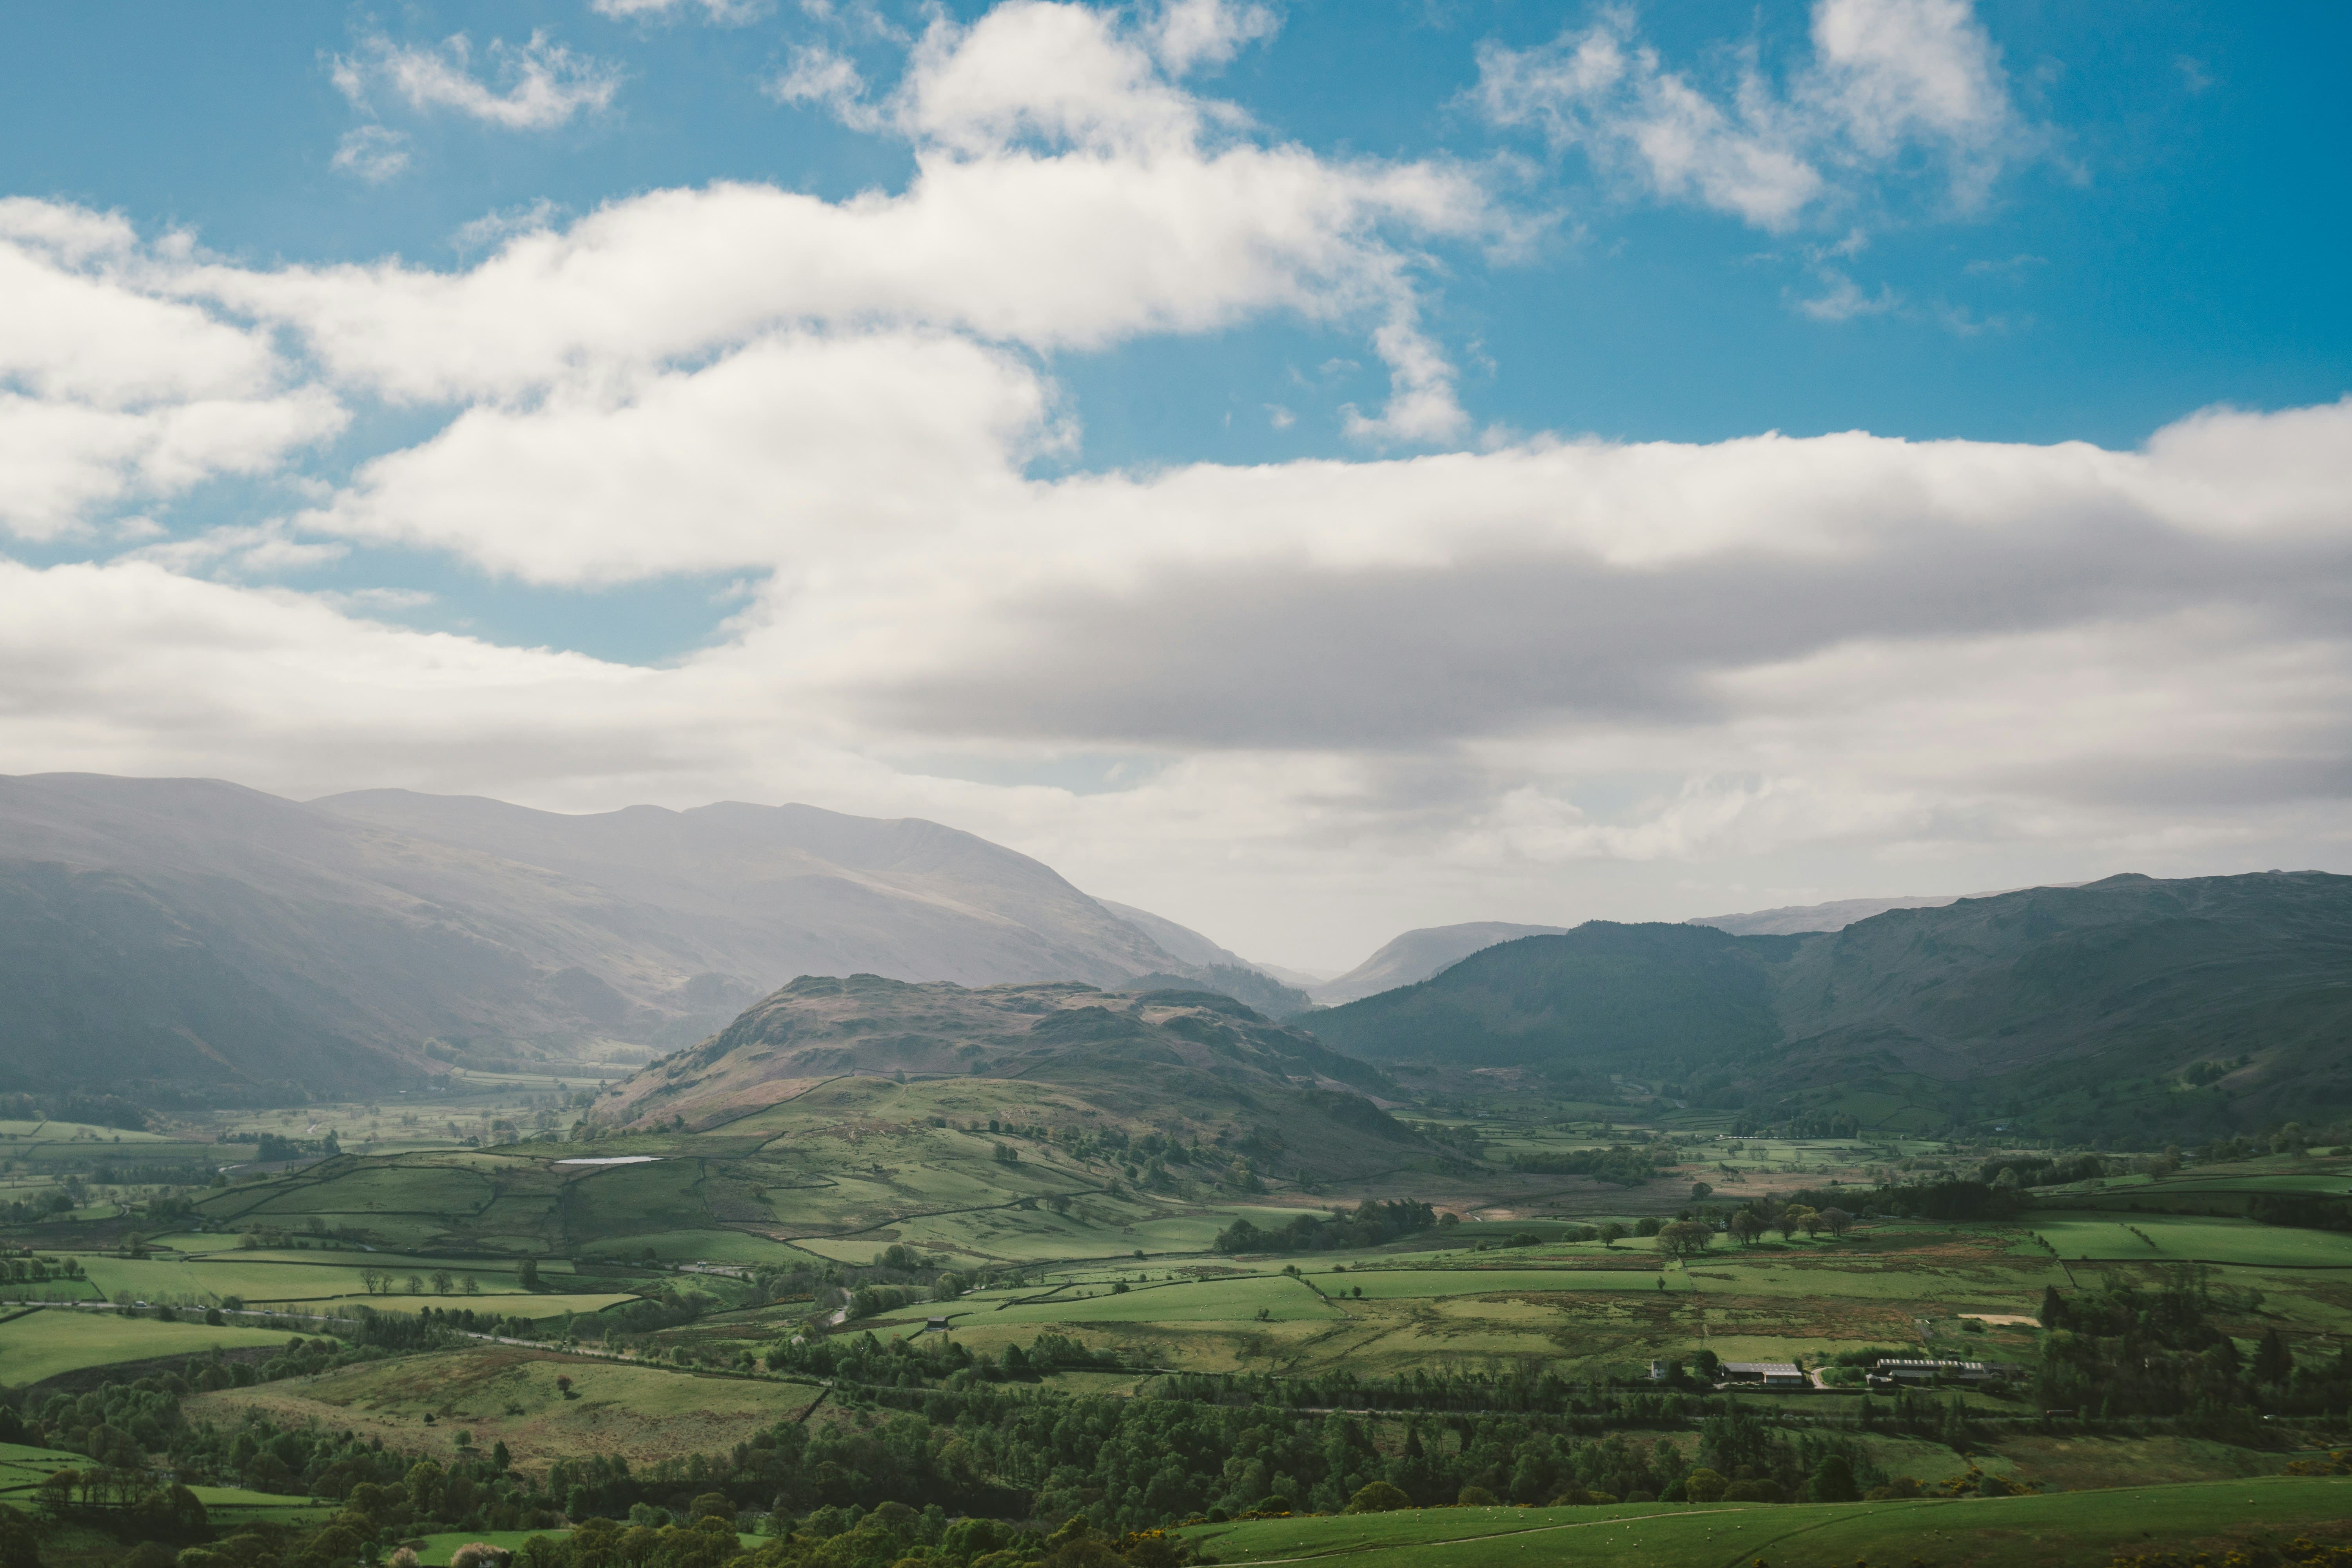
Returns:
(473, 1286)
(1704, 1486)
(1611, 1233)
(1746, 1226)
(444, 1282)
(1792, 1219)
(2053, 1307)
(1701, 1191)
(1837, 1221)
(2273, 1362)
(528, 1275)
(1380, 1497)
(20, 1543)
(1685, 1238)
(415, 1285)
(1832, 1481)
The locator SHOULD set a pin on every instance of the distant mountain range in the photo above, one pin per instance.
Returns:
(186, 932)
(1418, 954)
(2032, 993)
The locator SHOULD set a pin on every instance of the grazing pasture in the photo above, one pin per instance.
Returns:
(54, 1340)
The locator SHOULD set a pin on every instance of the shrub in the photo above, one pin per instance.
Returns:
(1474, 1497)
(1379, 1498)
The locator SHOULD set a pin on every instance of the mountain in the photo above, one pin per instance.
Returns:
(1169, 1056)
(1203, 964)
(1418, 954)
(1601, 997)
(1794, 919)
(190, 932)
(2031, 994)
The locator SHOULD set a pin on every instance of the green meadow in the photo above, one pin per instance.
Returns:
(1976, 1532)
(44, 1343)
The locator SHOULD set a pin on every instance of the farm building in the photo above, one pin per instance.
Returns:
(1770, 1373)
(1890, 1372)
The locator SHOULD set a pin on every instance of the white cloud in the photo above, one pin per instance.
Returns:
(823, 79)
(767, 457)
(1886, 78)
(109, 392)
(1186, 34)
(372, 152)
(1843, 298)
(1067, 195)
(728, 12)
(532, 86)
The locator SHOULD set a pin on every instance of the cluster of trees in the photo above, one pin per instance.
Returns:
(1948, 1200)
(29, 1268)
(2043, 1169)
(2125, 1350)
(1372, 1223)
(1751, 1221)
(1624, 1164)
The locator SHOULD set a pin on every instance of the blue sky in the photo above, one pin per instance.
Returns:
(1477, 300)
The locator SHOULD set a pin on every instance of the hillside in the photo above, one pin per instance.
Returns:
(2025, 994)
(1601, 998)
(1418, 954)
(1173, 1058)
(190, 932)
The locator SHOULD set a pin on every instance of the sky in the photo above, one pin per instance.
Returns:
(1309, 470)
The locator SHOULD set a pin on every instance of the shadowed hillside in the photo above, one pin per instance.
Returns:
(2028, 994)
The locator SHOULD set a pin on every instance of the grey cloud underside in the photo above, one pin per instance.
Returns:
(1378, 658)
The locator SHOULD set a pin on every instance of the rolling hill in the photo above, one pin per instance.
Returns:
(191, 932)
(2026, 994)
(1167, 1057)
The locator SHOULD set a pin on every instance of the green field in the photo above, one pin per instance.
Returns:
(1974, 1532)
(2160, 1239)
(44, 1343)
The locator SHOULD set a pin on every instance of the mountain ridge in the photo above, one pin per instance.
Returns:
(199, 933)
(2043, 989)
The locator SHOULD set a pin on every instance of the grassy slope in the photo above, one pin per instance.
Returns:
(44, 1343)
(1976, 1532)
(508, 1393)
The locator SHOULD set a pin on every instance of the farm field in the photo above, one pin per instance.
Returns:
(2205, 1238)
(1975, 1533)
(44, 1343)
(510, 1394)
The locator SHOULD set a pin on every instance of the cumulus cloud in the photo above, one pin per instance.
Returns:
(532, 86)
(110, 391)
(1887, 79)
(1068, 195)
(1186, 34)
